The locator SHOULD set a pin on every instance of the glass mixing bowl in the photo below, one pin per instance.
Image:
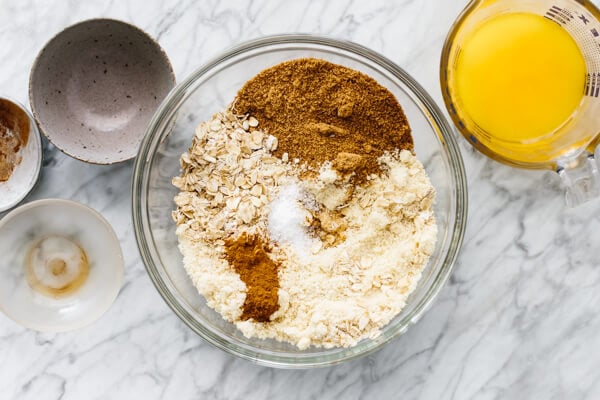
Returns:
(210, 89)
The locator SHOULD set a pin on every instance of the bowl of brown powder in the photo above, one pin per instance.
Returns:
(299, 201)
(20, 153)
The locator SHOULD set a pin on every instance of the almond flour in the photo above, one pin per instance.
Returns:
(342, 294)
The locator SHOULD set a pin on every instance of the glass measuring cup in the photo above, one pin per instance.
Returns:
(572, 148)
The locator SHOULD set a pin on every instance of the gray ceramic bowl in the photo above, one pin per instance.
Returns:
(94, 87)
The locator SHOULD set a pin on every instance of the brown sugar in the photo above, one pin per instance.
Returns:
(248, 256)
(320, 111)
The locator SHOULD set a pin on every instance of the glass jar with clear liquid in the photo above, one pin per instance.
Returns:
(521, 80)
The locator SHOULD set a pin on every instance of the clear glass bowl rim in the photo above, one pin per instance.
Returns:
(143, 233)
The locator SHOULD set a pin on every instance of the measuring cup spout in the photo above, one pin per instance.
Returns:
(581, 178)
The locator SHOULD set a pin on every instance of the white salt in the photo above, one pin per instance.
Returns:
(288, 221)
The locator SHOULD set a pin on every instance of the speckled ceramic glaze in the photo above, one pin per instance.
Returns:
(26, 173)
(94, 87)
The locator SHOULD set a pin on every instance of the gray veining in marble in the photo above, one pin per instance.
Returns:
(518, 319)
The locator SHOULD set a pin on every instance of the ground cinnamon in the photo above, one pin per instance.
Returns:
(321, 111)
(14, 133)
(248, 256)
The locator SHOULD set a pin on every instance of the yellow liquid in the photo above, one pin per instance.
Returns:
(519, 77)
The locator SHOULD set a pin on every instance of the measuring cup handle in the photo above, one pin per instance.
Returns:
(581, 178)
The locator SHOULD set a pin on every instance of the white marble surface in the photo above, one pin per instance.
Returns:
(518, 319)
